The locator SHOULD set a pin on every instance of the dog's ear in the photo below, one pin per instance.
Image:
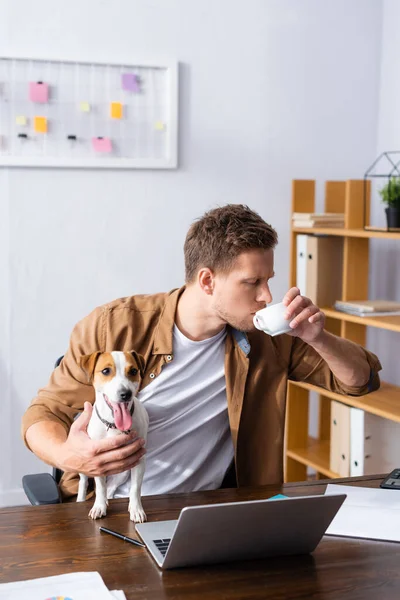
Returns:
(140, 361)
(88, 363)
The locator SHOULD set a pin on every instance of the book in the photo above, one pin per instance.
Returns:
(311, 223)
(368, 306)
(317, 216)
(356, 313)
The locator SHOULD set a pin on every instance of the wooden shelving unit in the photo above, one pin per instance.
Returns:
(301, 450)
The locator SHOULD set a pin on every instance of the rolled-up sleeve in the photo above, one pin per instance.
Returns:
(307, 365)
(68, 387)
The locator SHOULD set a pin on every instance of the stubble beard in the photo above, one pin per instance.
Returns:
(245, 325)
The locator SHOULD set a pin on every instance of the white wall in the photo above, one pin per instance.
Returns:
(271, 90)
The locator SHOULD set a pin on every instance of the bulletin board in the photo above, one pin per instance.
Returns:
(76, 114)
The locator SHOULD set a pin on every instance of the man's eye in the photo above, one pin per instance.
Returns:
(132, 372)
(106, 371)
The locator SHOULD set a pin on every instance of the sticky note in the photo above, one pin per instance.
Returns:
(40, 124)
(20, 120)
(84, 106)
(130, 82)
(160, 125)
(116, 110)
(38, 92)
(101, 144)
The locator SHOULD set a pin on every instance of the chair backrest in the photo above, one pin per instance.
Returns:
(57, 473)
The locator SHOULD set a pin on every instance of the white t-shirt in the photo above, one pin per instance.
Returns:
(189, 445)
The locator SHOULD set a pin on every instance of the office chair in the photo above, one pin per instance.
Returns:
(42, 488)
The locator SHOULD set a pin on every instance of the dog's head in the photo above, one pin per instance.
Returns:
(116, 377)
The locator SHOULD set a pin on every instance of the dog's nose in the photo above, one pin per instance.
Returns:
(125, 395)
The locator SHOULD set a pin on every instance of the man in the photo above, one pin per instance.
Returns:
(214, 386)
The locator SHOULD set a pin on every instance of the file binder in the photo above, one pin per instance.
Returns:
(340, 439)
(319, 268)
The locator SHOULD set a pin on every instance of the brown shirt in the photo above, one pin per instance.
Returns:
(257, 370)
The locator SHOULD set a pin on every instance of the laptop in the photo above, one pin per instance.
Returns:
(216, 533)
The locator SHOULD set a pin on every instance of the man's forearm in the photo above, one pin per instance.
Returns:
(346, 360)
(45, 440)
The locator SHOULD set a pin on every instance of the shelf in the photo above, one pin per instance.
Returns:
(392, 323)
(384, 403)
(357, 233)
(316, 455)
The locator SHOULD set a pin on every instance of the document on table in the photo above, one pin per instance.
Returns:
(71, 586)
(371, 513)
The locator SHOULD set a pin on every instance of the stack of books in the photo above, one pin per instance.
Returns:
(369, 308)
(318, 219)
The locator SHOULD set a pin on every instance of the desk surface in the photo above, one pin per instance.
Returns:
(50, 540)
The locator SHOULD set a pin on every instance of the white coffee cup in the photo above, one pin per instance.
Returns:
(271, 320)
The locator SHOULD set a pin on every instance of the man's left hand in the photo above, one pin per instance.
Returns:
(307, 320)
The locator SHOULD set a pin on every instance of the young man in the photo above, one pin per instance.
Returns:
(214, 386)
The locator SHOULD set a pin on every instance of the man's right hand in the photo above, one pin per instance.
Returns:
(80, 454)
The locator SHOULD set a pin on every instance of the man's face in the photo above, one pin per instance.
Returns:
(239, 294)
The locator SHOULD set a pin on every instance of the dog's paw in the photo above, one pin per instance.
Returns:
(136, 513)
(98, 510)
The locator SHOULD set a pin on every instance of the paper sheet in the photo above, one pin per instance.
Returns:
(38, 92)
(102, 145)
(40, 124)
(71, 586)
(129, 82)
(371, 513)
(116, 110)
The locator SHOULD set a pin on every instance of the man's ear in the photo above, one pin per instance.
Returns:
(88, 363)
(140, 361)
(206, 280)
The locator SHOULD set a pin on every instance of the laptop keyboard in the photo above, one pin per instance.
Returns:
(162, 545)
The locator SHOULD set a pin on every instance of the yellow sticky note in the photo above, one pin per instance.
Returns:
(84, 106)
(20, 120)
(160, 126)
(40, 124)
(116, 110)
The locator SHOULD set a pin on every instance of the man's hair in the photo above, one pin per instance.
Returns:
(216, 239)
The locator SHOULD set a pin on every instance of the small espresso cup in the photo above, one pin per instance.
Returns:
(271, 320)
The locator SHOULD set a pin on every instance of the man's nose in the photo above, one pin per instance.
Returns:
(265, 295)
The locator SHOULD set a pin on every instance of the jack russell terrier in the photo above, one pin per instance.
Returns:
(115, 377)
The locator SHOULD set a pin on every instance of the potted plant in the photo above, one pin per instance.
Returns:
(390, 194)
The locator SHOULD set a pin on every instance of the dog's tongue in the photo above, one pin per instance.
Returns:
(122, 416)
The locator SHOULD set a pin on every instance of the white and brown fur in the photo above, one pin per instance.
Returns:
(115, 377)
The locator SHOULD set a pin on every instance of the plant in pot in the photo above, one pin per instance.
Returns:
(390, 194)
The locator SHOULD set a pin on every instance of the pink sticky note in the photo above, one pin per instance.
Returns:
(38, 92)
(101, 144)
(130, 82)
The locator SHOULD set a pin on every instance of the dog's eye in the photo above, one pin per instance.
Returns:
(132, 372)
(106, 371)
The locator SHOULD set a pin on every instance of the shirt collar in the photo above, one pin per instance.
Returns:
(163, 337)
(241, 340)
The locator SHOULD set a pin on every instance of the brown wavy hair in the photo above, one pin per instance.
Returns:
(217, 238)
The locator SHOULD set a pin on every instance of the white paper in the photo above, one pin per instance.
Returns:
(118, 594)
(371, 513)
(77, 586)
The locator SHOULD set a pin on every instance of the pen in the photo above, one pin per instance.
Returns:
(123, 537)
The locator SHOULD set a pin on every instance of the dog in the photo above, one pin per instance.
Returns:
(116, 411)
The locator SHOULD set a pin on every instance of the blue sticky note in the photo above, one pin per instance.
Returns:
(277, 497)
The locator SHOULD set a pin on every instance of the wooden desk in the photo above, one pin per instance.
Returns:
(50, 540)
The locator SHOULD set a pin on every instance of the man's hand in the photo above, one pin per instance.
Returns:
(308, 320)
(80, 454)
